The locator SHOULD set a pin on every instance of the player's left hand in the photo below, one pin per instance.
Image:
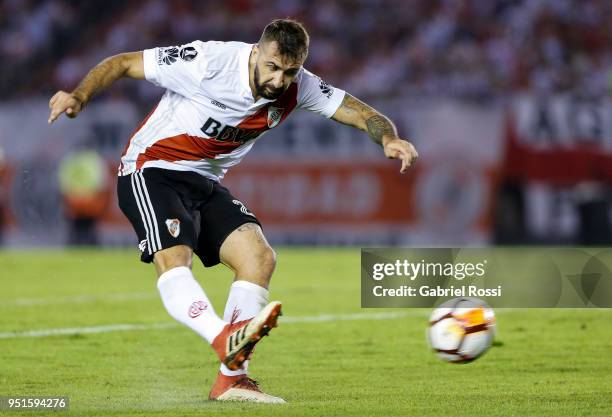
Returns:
(63, 102)
(397, 148)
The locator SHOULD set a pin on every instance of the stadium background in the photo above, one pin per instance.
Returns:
(507, 102)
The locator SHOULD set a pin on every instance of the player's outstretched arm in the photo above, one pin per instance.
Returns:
(354, 112)
(129, 64)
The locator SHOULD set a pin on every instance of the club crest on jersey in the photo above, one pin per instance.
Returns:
(274, 116)
(174, 227)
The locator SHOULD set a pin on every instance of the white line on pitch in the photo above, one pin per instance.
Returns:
(78, 299)
(109, 328)
(71, 331)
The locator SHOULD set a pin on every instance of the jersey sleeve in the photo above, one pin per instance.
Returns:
(177, 68)
(317, 96)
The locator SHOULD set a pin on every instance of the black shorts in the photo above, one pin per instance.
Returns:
(169, 208)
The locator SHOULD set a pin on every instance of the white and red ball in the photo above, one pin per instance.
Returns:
(461, 329)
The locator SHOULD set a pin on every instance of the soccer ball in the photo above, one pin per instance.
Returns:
(461, 329)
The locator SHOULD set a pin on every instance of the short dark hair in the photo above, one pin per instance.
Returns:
(291, 37)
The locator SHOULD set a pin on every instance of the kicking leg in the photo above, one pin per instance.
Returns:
(246, 252)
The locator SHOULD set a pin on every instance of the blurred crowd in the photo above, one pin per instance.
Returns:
(468, 48)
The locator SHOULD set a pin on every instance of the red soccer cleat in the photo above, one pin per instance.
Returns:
(236, 341)
(240, 388)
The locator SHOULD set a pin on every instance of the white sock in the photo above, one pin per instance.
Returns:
(186, 302)
(245, 300)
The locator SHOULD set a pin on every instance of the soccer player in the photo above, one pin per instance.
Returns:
(220, 98)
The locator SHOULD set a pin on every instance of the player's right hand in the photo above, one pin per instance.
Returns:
(63, 102)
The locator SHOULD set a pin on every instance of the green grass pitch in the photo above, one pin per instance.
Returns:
(545, 362)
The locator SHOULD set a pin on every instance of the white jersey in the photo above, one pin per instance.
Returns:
(207, 120)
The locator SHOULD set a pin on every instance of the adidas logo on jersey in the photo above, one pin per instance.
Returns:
(220, 105)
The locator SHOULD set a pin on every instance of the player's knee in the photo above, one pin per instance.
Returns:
(259, 266)
(267, 260)
(167, 259)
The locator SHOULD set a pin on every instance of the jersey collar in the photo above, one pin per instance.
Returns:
(244, 66)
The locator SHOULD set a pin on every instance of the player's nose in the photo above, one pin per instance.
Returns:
(277, 81)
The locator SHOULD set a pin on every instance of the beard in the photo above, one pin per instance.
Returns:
(266, 90)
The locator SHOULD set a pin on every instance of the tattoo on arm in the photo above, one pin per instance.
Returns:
(354, 112)
(378, 126)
